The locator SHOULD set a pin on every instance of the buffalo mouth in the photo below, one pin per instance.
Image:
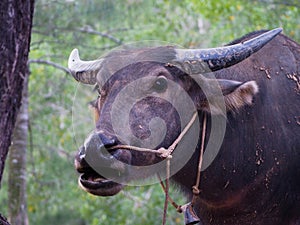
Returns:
(96, 184)
(102, 175)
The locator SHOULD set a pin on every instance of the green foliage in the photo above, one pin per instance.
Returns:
(230, 19)
(96, 26)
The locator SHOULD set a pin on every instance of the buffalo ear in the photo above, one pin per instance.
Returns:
(235, 95)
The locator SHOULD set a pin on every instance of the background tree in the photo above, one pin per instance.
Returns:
(17, 206)
(15, 25)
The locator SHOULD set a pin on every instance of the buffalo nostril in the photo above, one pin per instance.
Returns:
(95, 149)
(107, 141)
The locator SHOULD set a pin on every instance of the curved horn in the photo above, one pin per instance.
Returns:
(83, 71)
(195, 61)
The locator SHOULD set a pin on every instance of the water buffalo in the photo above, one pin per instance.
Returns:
(254, 178)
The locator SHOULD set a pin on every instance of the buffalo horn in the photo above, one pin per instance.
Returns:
(194, 61)
(83, 71)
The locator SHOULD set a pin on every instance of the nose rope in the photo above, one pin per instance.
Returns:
(162, 152)
(166, 190)
(167, 154)
(190, 216)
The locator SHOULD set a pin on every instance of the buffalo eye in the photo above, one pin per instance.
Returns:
(160, 84)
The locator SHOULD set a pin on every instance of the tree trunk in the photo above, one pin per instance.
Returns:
(15, 25)
(17, 205)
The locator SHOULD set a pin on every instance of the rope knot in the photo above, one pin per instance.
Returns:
(164, 153)
(196, 190)
(179, 209)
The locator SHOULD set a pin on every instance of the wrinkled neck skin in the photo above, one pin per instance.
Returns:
(233, 193)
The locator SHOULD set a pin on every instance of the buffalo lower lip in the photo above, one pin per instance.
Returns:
(93, 180)
(98, 185)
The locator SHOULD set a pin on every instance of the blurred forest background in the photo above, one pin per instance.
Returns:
(95, 27)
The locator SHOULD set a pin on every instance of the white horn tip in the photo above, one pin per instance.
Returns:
(73, 59)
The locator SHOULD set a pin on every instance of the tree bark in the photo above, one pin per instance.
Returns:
(15, 25)
(17, 205)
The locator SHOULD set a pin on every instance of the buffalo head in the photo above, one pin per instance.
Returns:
(146, 97)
